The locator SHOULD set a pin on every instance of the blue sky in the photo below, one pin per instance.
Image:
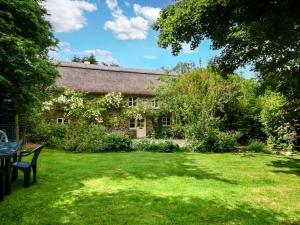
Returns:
(116, 31)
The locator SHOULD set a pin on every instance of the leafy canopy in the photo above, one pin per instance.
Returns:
(25, 39)
(264, 33)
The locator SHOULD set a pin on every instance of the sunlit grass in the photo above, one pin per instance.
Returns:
(157, 188)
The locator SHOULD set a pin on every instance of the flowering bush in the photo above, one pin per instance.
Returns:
(113, 100)
(284, 138)
(71, 103)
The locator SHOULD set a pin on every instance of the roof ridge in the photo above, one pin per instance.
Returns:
(107, 68)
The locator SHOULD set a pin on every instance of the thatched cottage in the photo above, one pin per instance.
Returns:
(135, 84)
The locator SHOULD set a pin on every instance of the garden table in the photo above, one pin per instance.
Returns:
(8, 150)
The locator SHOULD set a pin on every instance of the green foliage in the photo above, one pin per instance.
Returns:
(242, 112)
(150, 145)
(91, 59)
(264, 34)
(82, 137)
(115, 142)
(182, 67)
(281, 132)
(195, 100)
(256, 146)
(25, 39)
(54, 142)
(216, 142)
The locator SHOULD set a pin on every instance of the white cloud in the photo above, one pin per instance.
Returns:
(65, 47)
(113, 7)
(128, 29)
(134, 28)
(100, 54)
(107, 60)
(186, 49)
(150, 57)
(96, 52)
(67, 15)
(127, 4)
(65, 52)
(149, 13)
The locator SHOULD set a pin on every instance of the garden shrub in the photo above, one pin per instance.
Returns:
(115, 142)
(216, 142)
(56, 135)
(256, 146)
(50, 134)
(150, 145)
(82, 137)
(39, 131)
(279, 126)
(54, 142)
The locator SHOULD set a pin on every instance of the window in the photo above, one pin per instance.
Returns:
(140, 123)
(132, 101)
(155, 103)
(166, 121)
(132, 124)
(60, 120)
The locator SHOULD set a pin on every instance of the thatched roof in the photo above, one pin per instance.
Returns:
(97, 79)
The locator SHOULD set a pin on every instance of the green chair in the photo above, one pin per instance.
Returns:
(27, 166)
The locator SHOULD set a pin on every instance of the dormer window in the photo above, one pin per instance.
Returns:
(132, 101)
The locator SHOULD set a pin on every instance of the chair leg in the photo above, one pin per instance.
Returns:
(34, 173)
(26, 178)
(14, 174)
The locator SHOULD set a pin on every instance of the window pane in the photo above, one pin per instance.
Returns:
(166, 121)
(132, 123)
(60, 120)
(132, 101)
(141, 123)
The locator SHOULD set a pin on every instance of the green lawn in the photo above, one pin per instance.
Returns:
(157, 188)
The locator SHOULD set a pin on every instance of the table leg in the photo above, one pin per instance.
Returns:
(1, 180)
(7, 175)
(14, 170)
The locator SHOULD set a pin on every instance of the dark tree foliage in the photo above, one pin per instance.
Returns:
(91, 59)
(263, 33)
(76, 59)
(25, 39)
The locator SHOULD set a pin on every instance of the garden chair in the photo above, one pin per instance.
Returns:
(3, 136)
(26, 166)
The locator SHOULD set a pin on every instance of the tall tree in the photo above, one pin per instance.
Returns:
(263, 33)
(25, 39)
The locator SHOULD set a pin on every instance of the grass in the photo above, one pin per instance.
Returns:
(157, 188)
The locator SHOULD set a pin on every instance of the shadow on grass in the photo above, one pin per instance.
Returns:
(287, 165)
(134, 207)
(168, 165)
(88, 190)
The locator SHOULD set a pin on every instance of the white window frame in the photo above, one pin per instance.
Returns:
(155, 103)
(132, 101)
(62, 120)
(166, 121)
